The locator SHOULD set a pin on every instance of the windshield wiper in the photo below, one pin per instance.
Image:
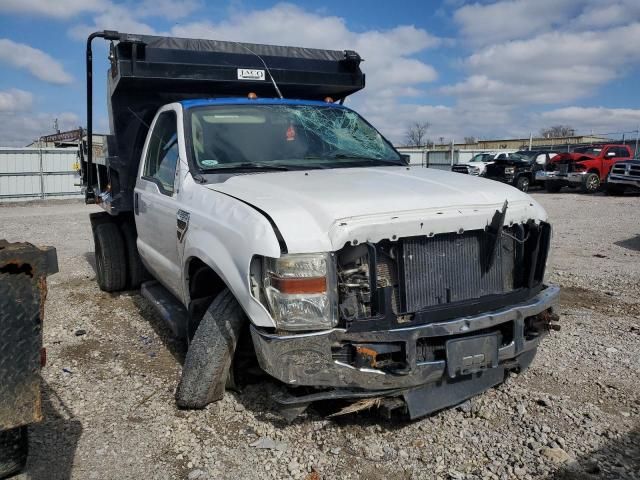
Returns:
(247, 166)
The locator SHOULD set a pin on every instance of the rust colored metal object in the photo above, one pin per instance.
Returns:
(23, 290)
(369, 354)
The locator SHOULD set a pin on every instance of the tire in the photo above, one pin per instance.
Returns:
(14, 447)
(523, 184)
(208, 361)
(552, 187)
(111, 262)
(591, 183)
(136, 273)
(612, 189)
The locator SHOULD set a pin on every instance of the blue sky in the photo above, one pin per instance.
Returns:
(483, 68)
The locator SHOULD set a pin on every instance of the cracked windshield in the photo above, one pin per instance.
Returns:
(285, 136)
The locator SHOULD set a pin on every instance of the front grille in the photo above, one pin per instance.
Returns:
(460, 169)
(453, 267)
(618, 169)
(634, 170)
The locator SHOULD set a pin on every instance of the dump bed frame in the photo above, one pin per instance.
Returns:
(148, 72)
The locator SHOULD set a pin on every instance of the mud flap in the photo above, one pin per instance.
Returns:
(424, 400)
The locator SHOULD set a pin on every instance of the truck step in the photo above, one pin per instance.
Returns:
(168, 307)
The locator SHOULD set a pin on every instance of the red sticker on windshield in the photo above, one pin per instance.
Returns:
(291, 134)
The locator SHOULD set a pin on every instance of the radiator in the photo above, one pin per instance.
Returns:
(451, 267)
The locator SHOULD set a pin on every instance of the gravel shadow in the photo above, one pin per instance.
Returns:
(632, 243)
(177, 347)
(618, 459)
(53, 442)
(90, 257)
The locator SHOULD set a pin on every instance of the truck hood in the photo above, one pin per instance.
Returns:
(322, 210)
(571, 157)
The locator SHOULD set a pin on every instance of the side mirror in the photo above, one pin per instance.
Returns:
(406, 158)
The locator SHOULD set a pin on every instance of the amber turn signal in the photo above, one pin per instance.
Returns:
(300, 285)
(252, 96)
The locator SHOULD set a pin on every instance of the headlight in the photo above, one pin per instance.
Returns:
(509, 170)
(301, 291)
(474, 169)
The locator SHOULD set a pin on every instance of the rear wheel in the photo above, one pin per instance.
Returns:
(14, 447)
(208, 362)
(111, 262)
(552, 186)
(523, 184)
(591, 183)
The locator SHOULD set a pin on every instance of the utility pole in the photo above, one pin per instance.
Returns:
(530, 140)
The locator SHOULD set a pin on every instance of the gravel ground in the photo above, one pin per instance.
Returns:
(110, 411)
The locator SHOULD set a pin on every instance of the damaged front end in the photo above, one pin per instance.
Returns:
(424, 322)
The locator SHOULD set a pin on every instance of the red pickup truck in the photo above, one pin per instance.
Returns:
(585, 167)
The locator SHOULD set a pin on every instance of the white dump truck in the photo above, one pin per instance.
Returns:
(254, 205)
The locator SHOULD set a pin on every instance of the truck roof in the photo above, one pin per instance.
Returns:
(201, 102)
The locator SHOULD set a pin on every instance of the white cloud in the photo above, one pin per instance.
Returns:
(112, 17)
(64, 9)
(15, 100)
(51, 8)
(171, 9)
(507, 20)
(387, 53)
(555, 67)
(598, 119)
(37, 62)
(20, 129)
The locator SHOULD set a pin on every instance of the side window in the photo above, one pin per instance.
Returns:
(162, 154)
(501, 156)
(621, 152)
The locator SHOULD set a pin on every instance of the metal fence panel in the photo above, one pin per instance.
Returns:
(27, 173)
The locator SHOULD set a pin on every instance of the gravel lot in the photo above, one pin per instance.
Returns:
(110, 410)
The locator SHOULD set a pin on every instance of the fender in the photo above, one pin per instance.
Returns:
(225, 234)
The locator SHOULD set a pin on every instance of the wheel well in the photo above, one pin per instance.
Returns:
(593, 170)
(204, 285)
(203, 280)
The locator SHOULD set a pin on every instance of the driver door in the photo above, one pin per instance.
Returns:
(155, 202)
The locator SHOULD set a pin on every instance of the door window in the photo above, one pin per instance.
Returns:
(621, 152)
(162, 154)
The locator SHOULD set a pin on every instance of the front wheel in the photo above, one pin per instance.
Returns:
(523, 184)
(591, 183)
(14, 447)
(208, 362)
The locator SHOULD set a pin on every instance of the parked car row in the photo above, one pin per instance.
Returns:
(517, 168)
(610, 167)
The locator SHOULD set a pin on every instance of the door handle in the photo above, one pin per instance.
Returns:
(136, 200)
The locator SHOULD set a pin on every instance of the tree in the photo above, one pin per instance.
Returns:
(469, 140)
(417, 134)
(556, 131)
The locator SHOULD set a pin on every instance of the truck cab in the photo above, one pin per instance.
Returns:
(273, 213)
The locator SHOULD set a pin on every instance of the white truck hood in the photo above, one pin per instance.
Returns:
(322, 210)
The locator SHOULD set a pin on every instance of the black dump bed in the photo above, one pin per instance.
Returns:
(150, 71)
